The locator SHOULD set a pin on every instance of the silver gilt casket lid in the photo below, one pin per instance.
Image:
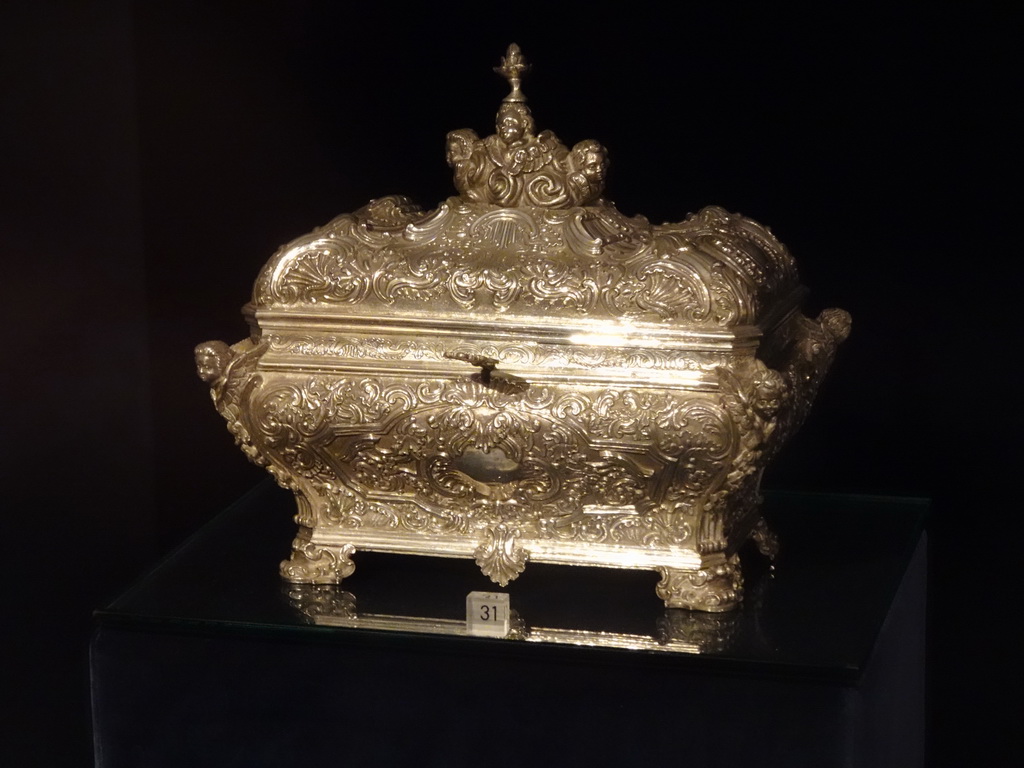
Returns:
(524, 373)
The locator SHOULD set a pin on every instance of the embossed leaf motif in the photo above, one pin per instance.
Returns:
(500, 558)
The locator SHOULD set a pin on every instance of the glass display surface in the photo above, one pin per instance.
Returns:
(816, 614)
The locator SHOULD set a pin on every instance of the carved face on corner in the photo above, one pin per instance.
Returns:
(593, 166)
(591, 161)
(460, 146)
(211, 360)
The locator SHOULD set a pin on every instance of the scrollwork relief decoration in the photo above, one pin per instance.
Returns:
(713, 588)
(231, 374)
(390, 443)
(671, 273)
(312, 564)
(752, 405)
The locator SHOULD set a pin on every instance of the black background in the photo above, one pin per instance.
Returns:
(154, 154)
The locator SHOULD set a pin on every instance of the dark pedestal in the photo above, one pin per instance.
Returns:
(211, 660)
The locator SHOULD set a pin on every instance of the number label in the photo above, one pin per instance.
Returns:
(487, 613)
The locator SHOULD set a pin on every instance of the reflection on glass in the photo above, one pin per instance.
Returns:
(674, 630)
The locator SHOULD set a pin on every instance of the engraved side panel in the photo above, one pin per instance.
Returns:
(451, 456)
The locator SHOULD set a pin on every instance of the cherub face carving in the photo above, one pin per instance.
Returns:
(211, 360)
(514, 123)
(460, 146)
(591, 161)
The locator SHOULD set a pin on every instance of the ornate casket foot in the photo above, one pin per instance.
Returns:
(312, 564)
(715, 587)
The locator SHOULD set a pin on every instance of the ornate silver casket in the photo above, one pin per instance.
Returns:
(525, 374)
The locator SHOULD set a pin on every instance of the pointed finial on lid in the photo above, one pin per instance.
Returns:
(513, 67)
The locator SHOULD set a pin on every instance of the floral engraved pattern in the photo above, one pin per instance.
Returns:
(397, 449)
(713, 270)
